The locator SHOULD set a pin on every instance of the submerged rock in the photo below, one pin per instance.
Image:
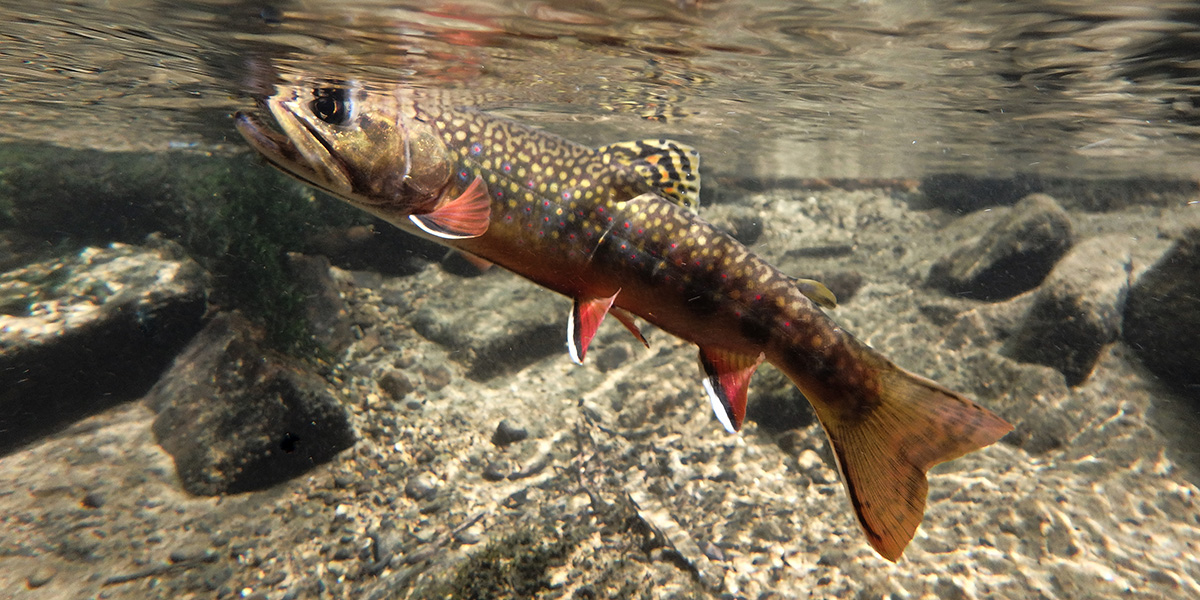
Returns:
(238, 417)
(84, 332)
(494, 324)
(324, 309)
(1162, 315)
(965, 193)
(1012, 257)
(1077, 310)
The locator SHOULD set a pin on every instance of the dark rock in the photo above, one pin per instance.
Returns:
(1162, 315)
(93, 500)
(966, 193)
(236, 416)
(395, 385)
(507, 433)
(497, 470)
(85, 332)
(40, 576)
(611, 356)
(1077, 311)
(1012, 257)
(324, 309)
(493, 324)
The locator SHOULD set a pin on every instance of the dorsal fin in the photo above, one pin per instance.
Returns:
(671, 168)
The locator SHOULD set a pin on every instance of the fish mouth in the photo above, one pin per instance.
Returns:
(312, 160)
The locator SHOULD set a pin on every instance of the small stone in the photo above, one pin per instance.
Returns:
(40, 576)
(192, 553)
(437, 378)
(93, 500)
(497, 470)
(395, 385)
(1011, 257)
(508, 433)
(422, 486)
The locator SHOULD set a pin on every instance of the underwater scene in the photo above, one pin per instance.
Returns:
(600, 299)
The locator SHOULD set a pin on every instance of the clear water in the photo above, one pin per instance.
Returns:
(828, 116)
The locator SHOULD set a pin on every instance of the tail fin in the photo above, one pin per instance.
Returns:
(885, 435)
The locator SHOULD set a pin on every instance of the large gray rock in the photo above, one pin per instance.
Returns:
(84, 332)
(494, 324)
(1012, 257)
(1162, 315)
(1077, 310)
(237, 417)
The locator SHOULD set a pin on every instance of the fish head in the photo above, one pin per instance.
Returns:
(358, 144)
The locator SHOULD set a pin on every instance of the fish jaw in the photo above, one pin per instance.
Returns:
(280, 151)
(362, 152)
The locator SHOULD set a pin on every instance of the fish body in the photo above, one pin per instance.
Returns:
(615, 229)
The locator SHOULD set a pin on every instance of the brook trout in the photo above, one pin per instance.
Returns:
(615, 230)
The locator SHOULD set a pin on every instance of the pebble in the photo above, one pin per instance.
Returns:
(40, 576)
(508, 433)
(497, 470)
(422, 486)
(93, 500)
(395, 385)
(437, 378)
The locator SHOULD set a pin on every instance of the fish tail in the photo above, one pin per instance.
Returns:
(887, 427)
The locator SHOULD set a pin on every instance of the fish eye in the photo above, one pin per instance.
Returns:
(331, 105)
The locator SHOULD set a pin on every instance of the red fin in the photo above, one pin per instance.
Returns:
(626, 319)
(586, 316)
(887, 427)
(466, 216)
(727, 377)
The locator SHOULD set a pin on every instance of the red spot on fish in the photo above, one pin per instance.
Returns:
(724, 276)
(758, 296)
(546, 219)
(476, 148)
(599, 209)
(626, 224)
(674, 245)
(566, 195)
(787, 323)
(529, 183)
(507, 167)
(546, 203)
(571, 236)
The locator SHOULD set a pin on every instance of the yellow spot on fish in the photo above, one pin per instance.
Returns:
(700, 240)
(460, 135)
(585, 183)
(621, 205)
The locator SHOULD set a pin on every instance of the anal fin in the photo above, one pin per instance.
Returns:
(466, 216)
(727, 378)
(585, 319)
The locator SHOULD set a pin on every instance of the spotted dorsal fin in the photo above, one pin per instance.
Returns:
(672, 169)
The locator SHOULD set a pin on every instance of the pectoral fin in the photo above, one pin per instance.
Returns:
(727, 377)
(585, 319)
(466, 216)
